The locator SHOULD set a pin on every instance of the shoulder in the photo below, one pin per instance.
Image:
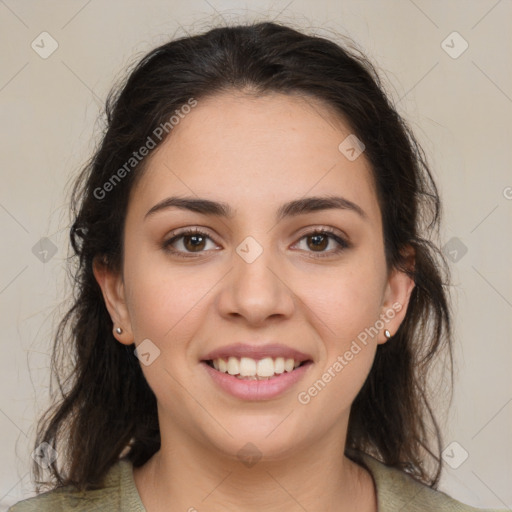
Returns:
(396, 490)
(119, 493)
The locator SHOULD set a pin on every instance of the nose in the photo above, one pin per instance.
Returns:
(256, 290)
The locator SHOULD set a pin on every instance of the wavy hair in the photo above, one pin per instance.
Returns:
(105, 408)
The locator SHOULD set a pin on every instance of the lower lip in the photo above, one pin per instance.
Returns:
(257, 389)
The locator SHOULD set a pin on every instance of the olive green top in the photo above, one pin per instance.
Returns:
(396, 491)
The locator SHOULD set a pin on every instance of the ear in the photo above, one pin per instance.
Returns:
(397, 294)
(112, 287)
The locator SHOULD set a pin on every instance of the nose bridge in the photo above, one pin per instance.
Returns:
(255, 289)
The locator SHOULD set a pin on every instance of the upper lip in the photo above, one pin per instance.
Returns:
(259, 351)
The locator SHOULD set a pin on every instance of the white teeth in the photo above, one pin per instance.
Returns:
(252, 369)
(265, 367)
(279, 365)
(247, 367)
(233, 366)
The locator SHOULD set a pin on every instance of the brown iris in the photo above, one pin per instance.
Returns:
(320, 241)
(197, 242)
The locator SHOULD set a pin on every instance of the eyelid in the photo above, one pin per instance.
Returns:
(313, 228)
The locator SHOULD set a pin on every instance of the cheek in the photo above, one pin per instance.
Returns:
(330, 394)
(346, 302)
(163, 304)
(346, 307)
(166, 306)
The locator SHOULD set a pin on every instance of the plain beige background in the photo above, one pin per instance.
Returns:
(458, 103)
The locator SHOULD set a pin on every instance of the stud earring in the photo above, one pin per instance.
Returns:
(387, 334)
(119, 330)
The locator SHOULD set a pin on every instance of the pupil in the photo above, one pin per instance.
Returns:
(319, 238)
(197, 241)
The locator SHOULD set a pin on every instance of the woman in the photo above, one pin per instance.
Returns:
(257, 304)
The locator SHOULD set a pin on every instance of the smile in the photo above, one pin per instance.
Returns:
(251, 379)
(251, 369)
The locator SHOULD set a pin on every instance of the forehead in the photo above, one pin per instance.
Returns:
(257, 152)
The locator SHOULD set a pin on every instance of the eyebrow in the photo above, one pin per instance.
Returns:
(290, 209)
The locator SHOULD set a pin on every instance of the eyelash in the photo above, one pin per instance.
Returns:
(330, 233)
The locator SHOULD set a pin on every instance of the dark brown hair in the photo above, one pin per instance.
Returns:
(105, 406)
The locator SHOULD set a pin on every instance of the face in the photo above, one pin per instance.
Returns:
(248, 279)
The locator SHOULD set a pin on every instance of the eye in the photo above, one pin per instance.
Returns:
(193, 241)
(189, 241)
(320, 239)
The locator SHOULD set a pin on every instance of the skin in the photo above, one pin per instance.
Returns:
(254, 153)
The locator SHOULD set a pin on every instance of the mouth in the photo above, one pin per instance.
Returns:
(251, 379)
(249, 369)
(256, 371)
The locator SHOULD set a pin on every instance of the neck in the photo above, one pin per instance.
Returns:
(186, 477)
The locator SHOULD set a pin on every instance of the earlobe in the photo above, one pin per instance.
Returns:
(113, 291)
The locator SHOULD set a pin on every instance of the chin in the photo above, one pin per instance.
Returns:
(261, 437)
